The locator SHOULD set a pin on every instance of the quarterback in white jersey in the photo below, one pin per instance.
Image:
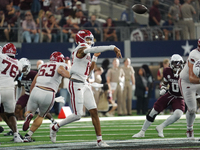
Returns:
(190, 86)
(80, 91)
(9, 69)
(43, 90)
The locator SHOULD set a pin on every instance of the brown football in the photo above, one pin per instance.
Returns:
(139, 8)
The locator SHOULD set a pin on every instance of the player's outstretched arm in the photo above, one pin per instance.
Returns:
(63, 72)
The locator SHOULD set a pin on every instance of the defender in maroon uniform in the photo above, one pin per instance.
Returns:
(173, 97)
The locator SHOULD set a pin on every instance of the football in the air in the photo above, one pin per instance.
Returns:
(139, 8)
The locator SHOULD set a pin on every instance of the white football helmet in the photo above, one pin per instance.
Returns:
(26, 65)
(196, 68)
(176, 62)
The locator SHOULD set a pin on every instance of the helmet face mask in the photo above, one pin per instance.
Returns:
(57, 56)
(9, 49)
(176, 62)
(26, 65)
(84, 36)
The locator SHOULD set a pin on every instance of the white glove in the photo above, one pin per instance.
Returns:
(162, 92)
(133, 87)
(60, 99)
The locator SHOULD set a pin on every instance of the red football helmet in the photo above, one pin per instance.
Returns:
(9, 49)
(82, 35)
(57, 56)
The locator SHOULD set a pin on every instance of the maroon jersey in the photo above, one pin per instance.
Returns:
(170, 78)
(27, 80)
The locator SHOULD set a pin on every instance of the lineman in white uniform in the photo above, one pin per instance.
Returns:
(80, 91)
(43, 90)
(9, 69)
(190, 85)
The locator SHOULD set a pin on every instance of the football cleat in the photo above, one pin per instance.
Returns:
(53, 133)
(190, 134)
(28, 139)
(102, 144)
(159, 129)
(1, 129)
(18, 139)
(10, 133)
(139, 134)
(27, 122)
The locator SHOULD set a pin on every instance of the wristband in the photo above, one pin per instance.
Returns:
(94, 58)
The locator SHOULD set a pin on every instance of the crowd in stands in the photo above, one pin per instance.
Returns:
(59, 20)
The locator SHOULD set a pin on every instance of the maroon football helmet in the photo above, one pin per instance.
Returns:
(82, 35)
(57, 56)
(9, 49)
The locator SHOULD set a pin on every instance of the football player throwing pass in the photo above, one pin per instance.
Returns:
(173, 97)
(81, 93)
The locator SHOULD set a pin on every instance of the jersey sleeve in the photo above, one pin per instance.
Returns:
(192, 58)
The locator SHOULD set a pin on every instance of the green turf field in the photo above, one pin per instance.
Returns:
(81, 131)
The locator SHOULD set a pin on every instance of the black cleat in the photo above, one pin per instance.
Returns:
(10, 133)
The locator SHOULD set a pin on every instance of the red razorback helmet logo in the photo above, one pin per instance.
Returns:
(9, 49)
(82, 35)
(57, 56)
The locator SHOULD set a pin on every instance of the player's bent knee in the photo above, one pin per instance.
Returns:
(151, 115)
(192, 111)
(77, 117)
(178, 113)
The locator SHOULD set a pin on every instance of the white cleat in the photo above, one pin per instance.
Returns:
(52, 133)
(159, 129)
(102, 144)
(17, 139)
(139, 134)
(190, 134)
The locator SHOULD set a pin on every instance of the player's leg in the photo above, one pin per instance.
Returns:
(189, 95)
(76, 91)
(8, 100)
(89, 103)
(158, 107)
(178, 106)
(20, 105)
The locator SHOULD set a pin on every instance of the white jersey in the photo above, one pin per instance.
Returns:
(9, 69)
(193, 56)
(80, 66)
(48, 75)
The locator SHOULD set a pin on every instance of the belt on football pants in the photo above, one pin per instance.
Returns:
(77, 81)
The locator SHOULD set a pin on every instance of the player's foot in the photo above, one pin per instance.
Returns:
(159, 129)
(1, 129)
(53, 132)
(108, 114)
(139, 134)
(28, 139)
(18, 139)
(10, 133)
(102, 144)
(27, 122)
(190, 134)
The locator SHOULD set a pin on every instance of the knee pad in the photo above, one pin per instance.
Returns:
(151, 115)
(178, 113)
(192, 111)
(10, 115)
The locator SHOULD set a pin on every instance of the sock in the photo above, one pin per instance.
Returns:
(99, 138)
(56, 127)
(189, 128)
(190, 117)
(30, 133)
(146, 125)
(16, 134)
